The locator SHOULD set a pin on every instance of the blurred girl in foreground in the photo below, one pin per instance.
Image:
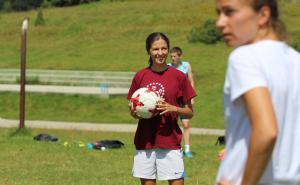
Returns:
(261, 96)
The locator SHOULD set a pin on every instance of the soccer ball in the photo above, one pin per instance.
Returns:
(143, 101)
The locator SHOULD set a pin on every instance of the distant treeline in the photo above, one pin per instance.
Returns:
(24, 5)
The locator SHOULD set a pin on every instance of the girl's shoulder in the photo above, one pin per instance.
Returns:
(176, 74)
(260, 47)
(143, 70)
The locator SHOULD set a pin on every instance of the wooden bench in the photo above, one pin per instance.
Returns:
(69, 78)
(104, 83)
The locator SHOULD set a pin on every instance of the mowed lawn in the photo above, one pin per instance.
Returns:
(25, 161)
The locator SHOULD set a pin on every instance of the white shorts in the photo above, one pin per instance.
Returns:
(158, 164)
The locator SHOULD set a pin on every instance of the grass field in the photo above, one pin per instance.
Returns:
(69, 108)
(28, 162)
(111, 36)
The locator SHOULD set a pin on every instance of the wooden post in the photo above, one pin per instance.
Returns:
(22, 72)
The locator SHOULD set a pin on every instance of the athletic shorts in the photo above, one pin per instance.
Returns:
(183, 118)
(158, 164)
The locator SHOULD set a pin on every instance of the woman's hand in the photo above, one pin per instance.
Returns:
(133, 112)
(165, 107)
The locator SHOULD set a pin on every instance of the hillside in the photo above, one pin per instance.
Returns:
(110, 36)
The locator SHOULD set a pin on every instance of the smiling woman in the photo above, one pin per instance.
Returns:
(160, 136)
(158, 50)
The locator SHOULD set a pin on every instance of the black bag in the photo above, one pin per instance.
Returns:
(221, 140)
(45, 137)
(108, 144)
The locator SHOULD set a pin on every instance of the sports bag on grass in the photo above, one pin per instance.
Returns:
(108, 144)
(45, 137)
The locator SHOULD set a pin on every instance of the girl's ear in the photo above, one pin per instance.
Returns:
(264, 16)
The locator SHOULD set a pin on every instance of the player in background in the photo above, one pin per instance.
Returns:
(185, 67)
(157, 140)
(261, 96)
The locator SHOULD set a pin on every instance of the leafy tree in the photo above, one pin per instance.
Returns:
(23, 5)
(62, 3)
(39, 21)
(19, 5)
(1, 4)
(36, 3)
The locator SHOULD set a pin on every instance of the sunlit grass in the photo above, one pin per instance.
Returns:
(28, 162)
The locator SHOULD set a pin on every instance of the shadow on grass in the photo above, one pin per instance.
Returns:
(21, 132)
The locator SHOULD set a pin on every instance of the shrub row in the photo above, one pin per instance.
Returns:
(24, 5)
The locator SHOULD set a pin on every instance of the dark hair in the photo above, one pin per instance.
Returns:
(275, 22)
(177, 50)
(152, 38)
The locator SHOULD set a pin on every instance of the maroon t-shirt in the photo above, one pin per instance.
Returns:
(161, 131)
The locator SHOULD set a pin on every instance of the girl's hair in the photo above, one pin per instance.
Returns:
(275, 22)
(177, 50)
(152, 38)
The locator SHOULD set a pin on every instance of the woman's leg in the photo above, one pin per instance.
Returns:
(176, 182)
(148, 182)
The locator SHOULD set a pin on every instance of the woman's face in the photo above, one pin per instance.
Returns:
(159, 52)
(238, 22)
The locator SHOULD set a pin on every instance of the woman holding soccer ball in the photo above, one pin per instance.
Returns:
(157, 140)
(261, 96)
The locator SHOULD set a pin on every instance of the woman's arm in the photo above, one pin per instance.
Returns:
(263, 136)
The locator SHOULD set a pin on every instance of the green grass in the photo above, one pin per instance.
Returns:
(68, 108)
(94, 109)
(111, 36)
(28, 162)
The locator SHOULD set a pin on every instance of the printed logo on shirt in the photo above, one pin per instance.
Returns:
(158, 88)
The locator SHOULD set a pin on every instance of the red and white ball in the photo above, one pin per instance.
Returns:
(143, 101)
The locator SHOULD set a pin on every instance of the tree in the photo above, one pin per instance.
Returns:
(39, 21)
(23, 5)
(1, 4)
(19, 5)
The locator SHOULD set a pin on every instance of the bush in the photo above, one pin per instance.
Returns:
(23, 5)
(62, 3)
(5, 5)
(206, 33)
(1, 4)
(39, 21)
(296, 43)
(88, 1)
(20, 5)
(36, 3)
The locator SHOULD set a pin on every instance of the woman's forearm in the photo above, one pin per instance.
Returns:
(185, 111)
